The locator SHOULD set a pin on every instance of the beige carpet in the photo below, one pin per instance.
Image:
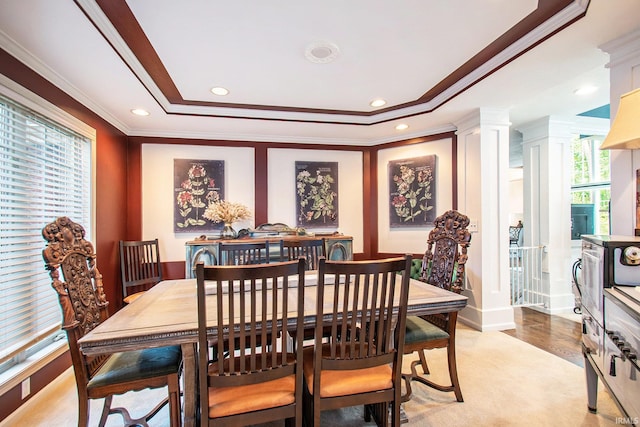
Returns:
(505, 382)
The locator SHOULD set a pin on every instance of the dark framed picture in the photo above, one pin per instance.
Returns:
(196, 184)
(412, 188)
(317, 194)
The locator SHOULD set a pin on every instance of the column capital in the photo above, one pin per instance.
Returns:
(548, 127)
(482, 118)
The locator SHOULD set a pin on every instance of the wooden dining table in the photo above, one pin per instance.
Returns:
(167, 315)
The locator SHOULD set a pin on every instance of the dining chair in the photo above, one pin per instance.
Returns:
(443, 265)
(140, 267)
(309, 249)
(71, 262)
(365, 306)
(247, 252)
(246, 382)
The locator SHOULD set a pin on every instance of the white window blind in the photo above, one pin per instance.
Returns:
(45, 172)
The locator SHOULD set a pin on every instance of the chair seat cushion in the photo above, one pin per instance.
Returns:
(345, 382)
(225, 401)
(140, 364)
(131, 298)
(419, 330)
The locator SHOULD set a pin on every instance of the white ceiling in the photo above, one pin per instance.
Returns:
(416, 54)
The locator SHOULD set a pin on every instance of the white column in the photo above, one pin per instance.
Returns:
(483, 163)
(547, 205)
(624, 65)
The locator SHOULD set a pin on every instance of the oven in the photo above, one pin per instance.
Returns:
(610, 319)
(621, 347)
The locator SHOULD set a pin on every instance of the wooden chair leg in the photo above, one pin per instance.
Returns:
(453, 370)
(106, 410)
(83, 410)
(415, 376)
(175, 411)
(407, 382)
(423, 362)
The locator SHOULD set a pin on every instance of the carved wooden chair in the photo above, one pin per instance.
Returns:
(247, 382)
(310, 250)
(140, 267)
(443, 265)
(84, 307)
(364, 305)
(243, 253)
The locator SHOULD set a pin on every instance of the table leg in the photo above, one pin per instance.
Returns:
(189, 377)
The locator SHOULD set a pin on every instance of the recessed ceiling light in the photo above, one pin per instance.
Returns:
(402, 126)
(585, 90)
(140, 112)
(377, 102)
(219, 91)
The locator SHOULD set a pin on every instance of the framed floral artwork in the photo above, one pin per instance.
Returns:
(412, 188)
(196, 184)
(317, 194)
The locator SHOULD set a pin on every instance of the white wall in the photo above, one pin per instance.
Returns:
(412, 240)
(282, 188)
(158, 195)
(516, 198)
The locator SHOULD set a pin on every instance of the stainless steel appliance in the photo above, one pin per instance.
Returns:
(611, 319)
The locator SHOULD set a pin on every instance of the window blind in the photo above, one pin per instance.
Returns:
(45, 172)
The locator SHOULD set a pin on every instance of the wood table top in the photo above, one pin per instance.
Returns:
(167, 314)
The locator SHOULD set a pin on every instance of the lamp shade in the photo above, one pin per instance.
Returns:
(625, 130)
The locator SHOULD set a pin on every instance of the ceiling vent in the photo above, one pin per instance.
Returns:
(321, 52)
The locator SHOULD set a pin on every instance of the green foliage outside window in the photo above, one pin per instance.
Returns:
(590, 179)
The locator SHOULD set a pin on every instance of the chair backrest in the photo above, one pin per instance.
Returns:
(514, 234)
(140, 266)
(243, 253)
(254, 308)
(79, 288)
(443, 264)
(311, 250)
(365, 309)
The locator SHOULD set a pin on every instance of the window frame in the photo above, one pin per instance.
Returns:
(595, 184)
(38, 355)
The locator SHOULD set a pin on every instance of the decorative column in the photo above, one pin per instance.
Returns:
(483, 163)
(547, 205)
(624, 66)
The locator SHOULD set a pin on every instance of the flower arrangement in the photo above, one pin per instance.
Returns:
(226, 212)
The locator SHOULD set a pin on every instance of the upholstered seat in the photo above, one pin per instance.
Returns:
(137, 365)
(420, 330)
(346, 382)
(228, 401)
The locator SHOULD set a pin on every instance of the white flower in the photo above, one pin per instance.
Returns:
(226, 212)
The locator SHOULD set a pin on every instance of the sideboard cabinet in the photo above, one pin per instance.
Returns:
(337, 248)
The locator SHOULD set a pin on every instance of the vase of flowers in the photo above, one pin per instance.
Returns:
(227, 213)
